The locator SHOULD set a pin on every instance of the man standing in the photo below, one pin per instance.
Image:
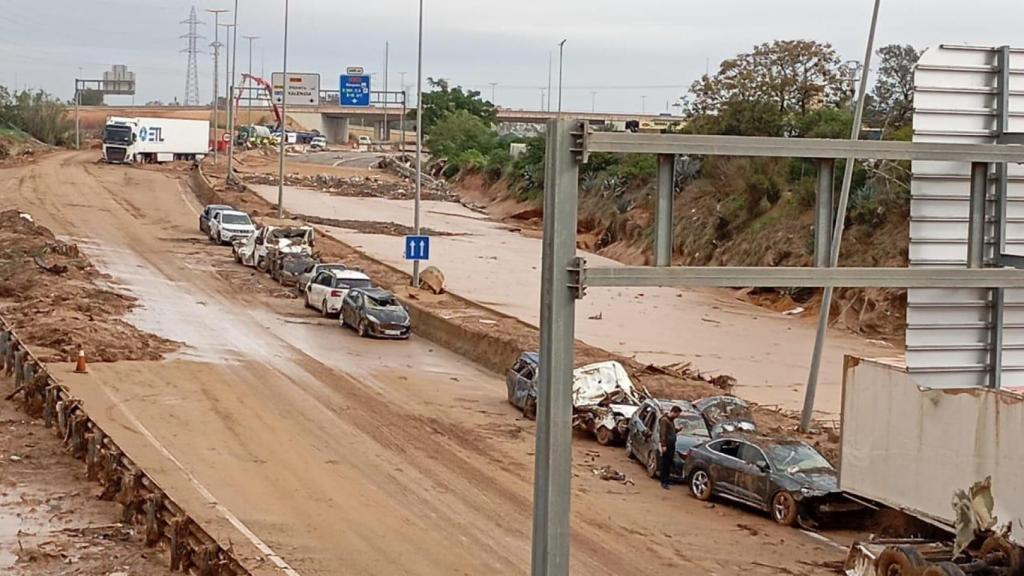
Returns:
(667, 439)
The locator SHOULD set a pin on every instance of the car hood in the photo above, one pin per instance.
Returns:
(822, 479)
(389, 316)
(603, 383)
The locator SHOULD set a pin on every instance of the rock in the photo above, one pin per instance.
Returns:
(432, 278)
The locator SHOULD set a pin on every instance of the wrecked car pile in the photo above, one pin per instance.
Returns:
(51, 294)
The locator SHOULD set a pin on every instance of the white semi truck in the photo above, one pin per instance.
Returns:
(148, 140)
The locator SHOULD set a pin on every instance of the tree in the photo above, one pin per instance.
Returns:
(893, 93)
(459, 132)
(794, 76)
(444, 100)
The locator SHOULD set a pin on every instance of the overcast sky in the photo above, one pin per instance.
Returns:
(632, 54)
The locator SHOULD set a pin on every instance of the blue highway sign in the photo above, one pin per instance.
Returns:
(417, 247)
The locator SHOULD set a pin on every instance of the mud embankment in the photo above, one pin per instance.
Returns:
(492, 339)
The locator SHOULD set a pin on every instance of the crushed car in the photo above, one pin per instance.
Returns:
(603, 400)
(375, 312)
(521, 381)
(726, 414)
(642, 441)
(288, 269)
(252, 250)
(786, 478)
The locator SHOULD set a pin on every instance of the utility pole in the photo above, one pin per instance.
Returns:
(494, 99)
(542, 99)
(227, 82)
(284, 104)
(419, 144)
(643, 104)
(561, 52)
(384, 129)
(216, 73)
(78, 101)
(593, 101)
(548, 107)
(231, 85)
(249, 93)
(192, 73)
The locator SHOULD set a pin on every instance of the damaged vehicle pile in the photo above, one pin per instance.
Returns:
(718, 451)
(285, 251)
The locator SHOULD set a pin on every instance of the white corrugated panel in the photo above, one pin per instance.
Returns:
(948, 330)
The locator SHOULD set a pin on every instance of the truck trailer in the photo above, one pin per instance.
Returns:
(149, 140)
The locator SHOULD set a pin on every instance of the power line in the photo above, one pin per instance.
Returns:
(192, 73)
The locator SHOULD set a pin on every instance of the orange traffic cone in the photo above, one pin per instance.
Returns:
(80, 367)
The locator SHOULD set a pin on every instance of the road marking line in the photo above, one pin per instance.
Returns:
(181, 192)
(234, 520)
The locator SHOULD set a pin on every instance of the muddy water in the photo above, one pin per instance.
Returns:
(496, 266)
(12, 522)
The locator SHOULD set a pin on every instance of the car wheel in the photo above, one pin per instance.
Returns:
(604, 436)
(652, 463)
(784, 508)
(261, 264)
(361, 328)
(341, 318)
(701, 485)
(900, 561)
(530, 410)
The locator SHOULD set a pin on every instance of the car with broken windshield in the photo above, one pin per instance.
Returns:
(374, 312)
(521, 381)
(788, 479)
(643, 442)
(603, 400)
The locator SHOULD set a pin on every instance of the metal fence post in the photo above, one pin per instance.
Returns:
(976, 218)
(663, 210)
(552, 471)
(823, 213)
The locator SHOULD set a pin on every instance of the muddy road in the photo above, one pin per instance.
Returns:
(308, 447)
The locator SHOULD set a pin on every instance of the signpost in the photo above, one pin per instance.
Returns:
(417, 247)
(303, 89)
(354, 89)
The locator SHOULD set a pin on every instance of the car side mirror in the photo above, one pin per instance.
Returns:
(764, 467)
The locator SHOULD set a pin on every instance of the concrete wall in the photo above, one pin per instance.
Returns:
(911, 447)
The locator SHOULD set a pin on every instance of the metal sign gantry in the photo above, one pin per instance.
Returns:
(566, 277)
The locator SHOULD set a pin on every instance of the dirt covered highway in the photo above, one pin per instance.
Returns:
(315, 452)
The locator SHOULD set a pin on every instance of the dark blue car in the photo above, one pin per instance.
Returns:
(522, 383)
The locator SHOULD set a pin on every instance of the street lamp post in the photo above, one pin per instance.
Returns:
(593, 101)
(419, 144)
(216, 72)
(561, 52)
(494, 86)
(284, 104)
(231, 92)
(227, 81)
(248, 98)
(548, 107)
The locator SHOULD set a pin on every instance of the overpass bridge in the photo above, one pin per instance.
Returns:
(333, 120)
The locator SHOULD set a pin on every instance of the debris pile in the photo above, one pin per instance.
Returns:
(49, 294)
(356, 186)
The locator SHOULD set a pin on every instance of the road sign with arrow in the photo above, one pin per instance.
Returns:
(417, 247)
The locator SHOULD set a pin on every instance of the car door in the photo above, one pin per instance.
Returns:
(725, 465)
(215, 224)
(636, 432)
(348, 308)
(753, 475)
(316, 290)
(649, 434)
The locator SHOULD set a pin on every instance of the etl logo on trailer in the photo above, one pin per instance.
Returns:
(417, 247)
(151, 134)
